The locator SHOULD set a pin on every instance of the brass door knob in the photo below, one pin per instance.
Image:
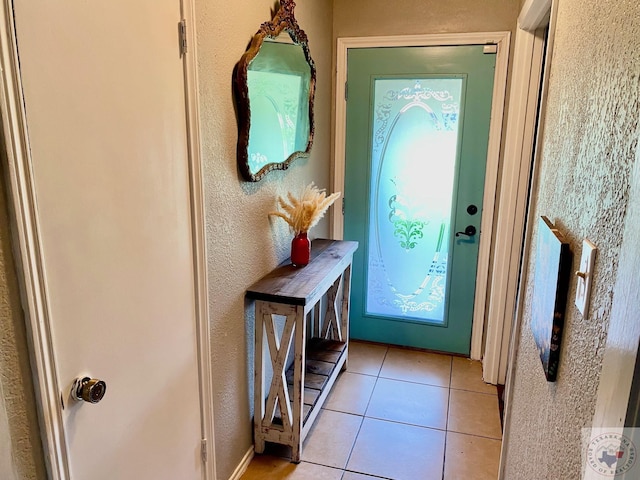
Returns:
(86, 389)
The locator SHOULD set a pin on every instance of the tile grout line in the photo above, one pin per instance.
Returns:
(409, 424)
(364, 415)
(446, 433)
(432, 385)
(366, 475)
(472, 391)
(414, 382)
(474, 435)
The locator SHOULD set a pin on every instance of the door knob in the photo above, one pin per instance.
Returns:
(87, 389)
(470, 231)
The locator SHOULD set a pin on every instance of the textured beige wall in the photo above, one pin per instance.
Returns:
(18, 418)
(242, 243)
(355, 18)
(591, 138)
(7, 470)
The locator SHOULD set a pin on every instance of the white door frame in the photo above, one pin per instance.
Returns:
(528, 74)
(29, 262)
(521, 135)
(501, 39)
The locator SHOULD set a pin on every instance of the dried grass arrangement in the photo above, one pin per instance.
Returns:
(304, 212)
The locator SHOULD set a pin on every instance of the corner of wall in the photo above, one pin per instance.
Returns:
(243, 244)
(18, 405)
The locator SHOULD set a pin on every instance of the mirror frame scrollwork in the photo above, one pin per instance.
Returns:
(283, 21)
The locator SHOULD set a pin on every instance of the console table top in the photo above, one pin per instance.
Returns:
(300, 285)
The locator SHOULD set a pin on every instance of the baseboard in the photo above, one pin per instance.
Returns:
(244, 463)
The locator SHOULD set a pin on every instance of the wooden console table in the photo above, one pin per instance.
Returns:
(296, 394)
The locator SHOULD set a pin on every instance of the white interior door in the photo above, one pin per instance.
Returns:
(105, 107)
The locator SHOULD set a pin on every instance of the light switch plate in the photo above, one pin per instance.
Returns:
(585, 276)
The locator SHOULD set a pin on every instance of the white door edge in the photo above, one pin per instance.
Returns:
(27, 245)
(29, 261)
(529, 47)
(199, 239)
(520, 136)
(512, 216)
(502, 40)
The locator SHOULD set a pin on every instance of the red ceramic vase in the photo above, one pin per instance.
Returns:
(300, 250)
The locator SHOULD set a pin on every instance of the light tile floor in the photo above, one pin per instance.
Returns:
(398, 414)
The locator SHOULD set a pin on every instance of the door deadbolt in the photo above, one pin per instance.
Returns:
(472, 209)
(90, 390)
(470, 231)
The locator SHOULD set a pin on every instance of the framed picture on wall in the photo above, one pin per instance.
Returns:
(551, 283)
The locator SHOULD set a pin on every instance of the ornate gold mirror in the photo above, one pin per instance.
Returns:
(274, 85)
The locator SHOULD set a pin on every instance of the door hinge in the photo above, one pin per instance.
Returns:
(346, 91)
(343, 202)
(203, 450)
(182, 28)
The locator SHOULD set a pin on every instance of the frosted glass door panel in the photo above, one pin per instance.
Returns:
(415, 155)
(413, 168)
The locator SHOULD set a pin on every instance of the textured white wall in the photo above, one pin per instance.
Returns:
(243, 244)
(591, 138)
(20, 448)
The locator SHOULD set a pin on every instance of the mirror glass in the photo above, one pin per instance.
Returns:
(275, 83)
(278, 79)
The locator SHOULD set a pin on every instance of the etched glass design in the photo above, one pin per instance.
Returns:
(413, 164)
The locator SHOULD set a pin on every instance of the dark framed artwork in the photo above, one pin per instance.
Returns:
(551, 283)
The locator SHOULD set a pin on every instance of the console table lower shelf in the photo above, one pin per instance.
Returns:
(325, 359)
(296, 394)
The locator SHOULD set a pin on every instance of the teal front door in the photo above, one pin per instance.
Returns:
(416, 149)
